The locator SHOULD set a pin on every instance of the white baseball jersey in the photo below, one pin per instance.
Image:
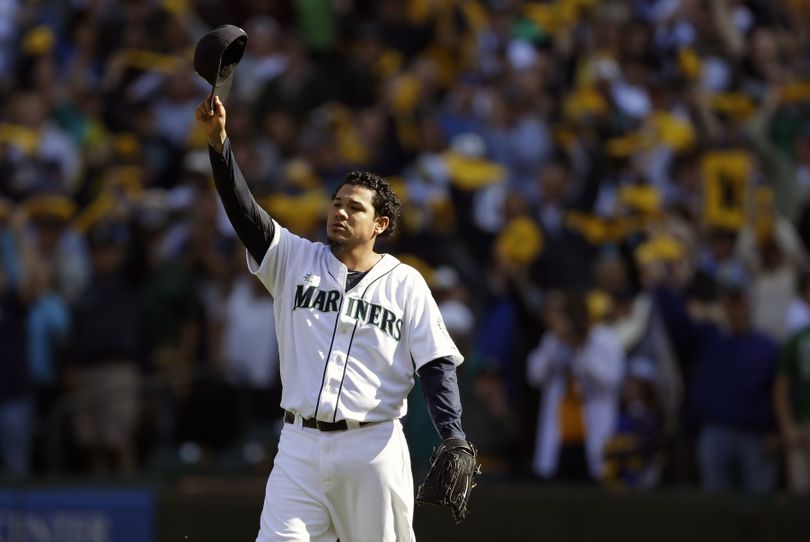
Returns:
(348, 355)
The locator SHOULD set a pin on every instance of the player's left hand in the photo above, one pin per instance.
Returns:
(453, 468)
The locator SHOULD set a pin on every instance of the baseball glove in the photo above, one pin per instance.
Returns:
(453, 468)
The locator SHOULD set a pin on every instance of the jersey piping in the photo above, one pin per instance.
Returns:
(349, 348)
(328, 355)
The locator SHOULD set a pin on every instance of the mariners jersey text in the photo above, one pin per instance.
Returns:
(311, 297)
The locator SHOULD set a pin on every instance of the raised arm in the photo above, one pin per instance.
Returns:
(543, 359)
(252, 223)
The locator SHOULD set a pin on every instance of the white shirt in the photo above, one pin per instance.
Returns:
(798, 316)
(348, 355)
(598, 367)
(771, 294)
(249, 345)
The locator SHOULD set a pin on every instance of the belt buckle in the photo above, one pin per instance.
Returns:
(340, 425)
(326, 427)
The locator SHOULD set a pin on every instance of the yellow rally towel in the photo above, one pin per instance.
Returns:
(22, 137)
(521, 241)
(470, 173)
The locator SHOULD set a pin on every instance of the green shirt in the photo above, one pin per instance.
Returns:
(794, 363)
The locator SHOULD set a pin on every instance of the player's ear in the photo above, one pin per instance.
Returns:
(380, 224)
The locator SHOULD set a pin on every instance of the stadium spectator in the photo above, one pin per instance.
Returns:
(249, 354)
(634, 453)
(579, 370)
(792, 406)
(735, 367)
(20, 283)
(102, 370)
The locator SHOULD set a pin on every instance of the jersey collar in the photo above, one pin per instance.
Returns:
(339, 271)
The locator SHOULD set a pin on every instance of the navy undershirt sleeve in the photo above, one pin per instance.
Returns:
(440, 385)
(252, 223)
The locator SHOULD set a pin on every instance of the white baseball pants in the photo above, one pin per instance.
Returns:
(354, 485)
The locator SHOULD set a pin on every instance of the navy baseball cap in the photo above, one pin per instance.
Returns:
(216, 57)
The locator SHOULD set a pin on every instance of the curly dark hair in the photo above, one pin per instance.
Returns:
(385, 201)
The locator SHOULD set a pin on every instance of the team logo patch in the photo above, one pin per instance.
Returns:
(311, 280)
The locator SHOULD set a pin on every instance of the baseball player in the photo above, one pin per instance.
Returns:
(353, 327)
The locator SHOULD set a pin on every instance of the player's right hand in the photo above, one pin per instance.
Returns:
(212, 123)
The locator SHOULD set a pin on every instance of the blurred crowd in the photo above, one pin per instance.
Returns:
(609, 200)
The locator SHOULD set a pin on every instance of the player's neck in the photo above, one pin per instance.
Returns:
(356, 258)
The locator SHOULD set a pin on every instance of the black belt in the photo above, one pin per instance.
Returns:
(312, 423)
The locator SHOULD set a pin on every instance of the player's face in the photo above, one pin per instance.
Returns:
(351, 218)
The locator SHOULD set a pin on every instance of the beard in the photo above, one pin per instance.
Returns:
(335, 244)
